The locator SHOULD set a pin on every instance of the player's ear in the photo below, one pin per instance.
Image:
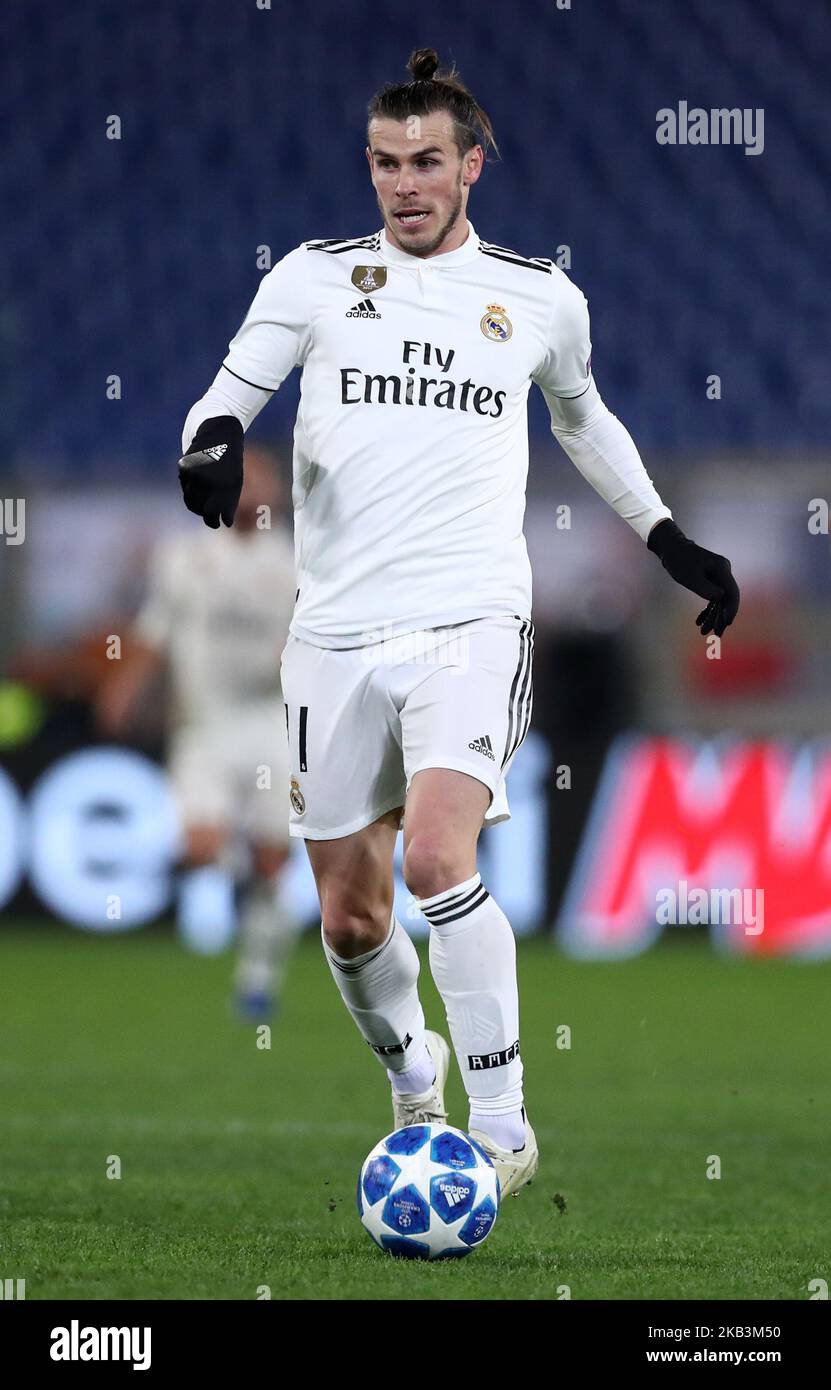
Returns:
(473, 164)
(369, 158)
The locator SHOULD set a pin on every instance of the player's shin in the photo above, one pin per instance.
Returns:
(473, 960)
(205, 912)
(267, 932)
(380, 990)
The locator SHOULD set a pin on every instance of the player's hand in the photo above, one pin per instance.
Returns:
(700, 570)
(211, 470)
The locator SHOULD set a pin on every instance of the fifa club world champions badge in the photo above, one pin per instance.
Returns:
(369, 279)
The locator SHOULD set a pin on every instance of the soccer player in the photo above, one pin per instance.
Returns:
(217, 614)
(407, 671)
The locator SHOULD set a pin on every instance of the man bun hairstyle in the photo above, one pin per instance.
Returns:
(430, 91)
(423, 64)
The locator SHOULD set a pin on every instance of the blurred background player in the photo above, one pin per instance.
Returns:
(216, 616)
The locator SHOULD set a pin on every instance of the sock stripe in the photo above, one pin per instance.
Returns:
(439, 908)
(449, 894)
(463, 912)
(459, 908)
(455, 900)
(451, 897)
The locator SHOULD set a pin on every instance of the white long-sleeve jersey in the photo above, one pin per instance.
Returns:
(411, 439)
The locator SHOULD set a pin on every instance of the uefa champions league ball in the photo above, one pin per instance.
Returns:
(428, 1192)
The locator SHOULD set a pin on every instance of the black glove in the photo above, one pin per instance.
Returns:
(706, 573)
(211, 470)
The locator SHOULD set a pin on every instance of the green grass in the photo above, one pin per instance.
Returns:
(239, 1164)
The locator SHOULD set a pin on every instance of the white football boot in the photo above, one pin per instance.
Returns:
(428, 1107)
(514, 1170)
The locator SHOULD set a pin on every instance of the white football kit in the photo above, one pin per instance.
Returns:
(219, 607)
(410, 465)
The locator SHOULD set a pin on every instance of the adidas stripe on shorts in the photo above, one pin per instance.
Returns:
(363, 721)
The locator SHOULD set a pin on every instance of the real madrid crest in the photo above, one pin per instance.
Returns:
(296, 797)
(369, 278)
(496, 325)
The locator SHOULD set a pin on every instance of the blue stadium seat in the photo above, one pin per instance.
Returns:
(137, 256)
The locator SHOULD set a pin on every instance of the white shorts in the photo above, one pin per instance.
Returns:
(232, 773)
(363, 721)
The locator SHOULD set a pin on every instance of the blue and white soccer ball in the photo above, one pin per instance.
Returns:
(428, 1192)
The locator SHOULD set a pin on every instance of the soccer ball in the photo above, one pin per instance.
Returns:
(428, 1192)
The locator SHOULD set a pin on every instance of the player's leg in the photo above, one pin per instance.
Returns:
(205, 908)
(372, 959)
(203, 844)
(267, 933)
(462, 726)
(347, 788)
(472, 947)
(268, 925)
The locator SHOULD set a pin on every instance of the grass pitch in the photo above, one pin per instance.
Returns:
(238, 1164)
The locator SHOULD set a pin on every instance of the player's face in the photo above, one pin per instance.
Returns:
(422, 182)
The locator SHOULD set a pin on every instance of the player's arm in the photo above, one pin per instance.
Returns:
(119, 695)
(273, 338)
(146, 644)
(600, 446)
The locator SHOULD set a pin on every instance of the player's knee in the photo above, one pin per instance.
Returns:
(431, 865)
(203, 846)
(350, 931)
(268, 860)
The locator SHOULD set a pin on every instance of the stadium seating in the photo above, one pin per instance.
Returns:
(137, 257)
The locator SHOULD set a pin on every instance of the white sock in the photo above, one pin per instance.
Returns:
(473, 960)
(267, 933)
(380, 990)
(508, 1131)
(418, 1077)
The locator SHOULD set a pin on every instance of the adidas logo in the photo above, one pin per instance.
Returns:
(365, 310)
(452, 1194)
(483, 745)
(216, 451)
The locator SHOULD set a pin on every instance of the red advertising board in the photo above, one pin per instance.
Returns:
(732, 835)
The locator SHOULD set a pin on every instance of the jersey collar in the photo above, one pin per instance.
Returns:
(393, 255)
